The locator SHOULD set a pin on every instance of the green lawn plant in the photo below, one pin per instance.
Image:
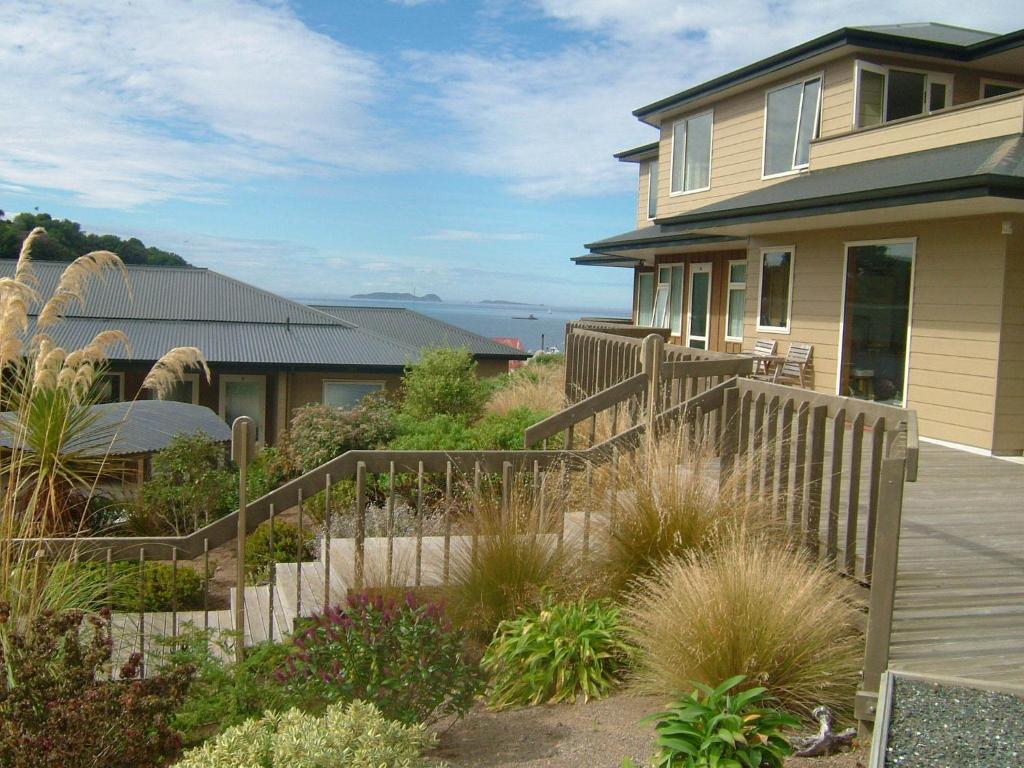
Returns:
(722, 727)
(557, 653)
(258, 557)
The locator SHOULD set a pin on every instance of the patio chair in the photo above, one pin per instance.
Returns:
(798, 360)
(763, 348)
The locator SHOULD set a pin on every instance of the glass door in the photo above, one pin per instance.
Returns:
(699, 302)
(244, 396)
(876, 321)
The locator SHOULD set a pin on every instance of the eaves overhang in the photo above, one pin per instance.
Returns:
(638, 154)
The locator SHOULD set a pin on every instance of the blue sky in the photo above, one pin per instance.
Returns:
(323, 148)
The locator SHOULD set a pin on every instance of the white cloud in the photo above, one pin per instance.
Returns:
(472, 236)
(547, 122)
(129, 103)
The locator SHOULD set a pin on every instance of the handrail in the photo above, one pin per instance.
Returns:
(584, 409)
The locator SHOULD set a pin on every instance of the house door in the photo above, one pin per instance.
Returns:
(244, 396)
(698, 300)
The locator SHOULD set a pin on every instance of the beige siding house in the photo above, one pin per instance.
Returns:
(862, 193)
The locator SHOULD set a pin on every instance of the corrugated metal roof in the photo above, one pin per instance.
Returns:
(419, 331)
(177, 293)
(143, 426)
(933, 32)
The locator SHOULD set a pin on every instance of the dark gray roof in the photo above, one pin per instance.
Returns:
(143, 426)
(933, 32)
(991, 167)
(653, 236)
(638, 153)
(418, 331)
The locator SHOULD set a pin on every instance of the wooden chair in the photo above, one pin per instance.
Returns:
(798, 360)
(763, 348)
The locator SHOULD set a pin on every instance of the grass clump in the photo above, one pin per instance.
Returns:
(534, 387)
(752, 608)
(557, 653)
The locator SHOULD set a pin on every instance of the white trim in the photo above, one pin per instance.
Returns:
(652, 194)
(786, 329)
(820, 77)
(639, 294)
(973, 449)
(193, 379)
(699, 268)
(910, 308)
(730, 286)
(946, 78)
(224, 379)
(991, 81)
(323, 385)
(672, 153)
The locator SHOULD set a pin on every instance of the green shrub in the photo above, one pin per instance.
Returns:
(351, 735)
(401, 655)
(749, 607)
(159, 585)
(272, 467)
(556, 653)
(504, 432)
(440, 432)
(443, 382)
(58, 706)
(286, 548)
(319, 432)
(190, 486)
(713, 727)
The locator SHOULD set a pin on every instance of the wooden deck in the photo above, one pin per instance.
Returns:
(960, 589)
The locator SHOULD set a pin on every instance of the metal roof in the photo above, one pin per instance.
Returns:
(142, 426)
(933, 32)
(637, 154)
(654, 236)
(418, 331)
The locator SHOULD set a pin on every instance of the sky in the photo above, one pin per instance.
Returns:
(321, 148)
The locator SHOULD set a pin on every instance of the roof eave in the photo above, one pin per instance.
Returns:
(637, 154)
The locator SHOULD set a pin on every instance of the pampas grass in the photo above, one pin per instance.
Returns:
(748, 607)
(171, 368)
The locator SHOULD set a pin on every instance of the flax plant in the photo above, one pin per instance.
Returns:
(56, 452)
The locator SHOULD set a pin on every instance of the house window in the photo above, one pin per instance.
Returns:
(652, 189)
(791, 121)
(990, 88)
(736, 301)
(244, 395)
(691, 154)
(776, 297)
(110, 388)
(669, 303)
(645, 299)
(348, 394)
(889, 93)
(184, 391)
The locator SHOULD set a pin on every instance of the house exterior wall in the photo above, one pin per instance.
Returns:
(643, 196)
(1009, 420)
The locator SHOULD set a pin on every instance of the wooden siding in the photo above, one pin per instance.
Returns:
(1009, 419)
(989, 119)
(642, 195)
(957, 313)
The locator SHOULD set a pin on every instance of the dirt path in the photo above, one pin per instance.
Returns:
(598, 734)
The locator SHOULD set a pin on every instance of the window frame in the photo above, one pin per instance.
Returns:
(672, 153)
(946, 78)
(731, 286)
(325, 382)
(119, 394)
(820, 76)
(787, 329)
(640, 274)
(193, 379)
(992, 81)
(222, 401)
(652, 189)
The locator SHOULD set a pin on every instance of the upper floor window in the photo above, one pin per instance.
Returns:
(652, 189)
(990, 88)
(791, 121)
(691, 153)
(891, 93)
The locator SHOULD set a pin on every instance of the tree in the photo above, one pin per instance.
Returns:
(443, 382)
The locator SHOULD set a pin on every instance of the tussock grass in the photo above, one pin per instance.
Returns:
(538, 388)
(748, 607)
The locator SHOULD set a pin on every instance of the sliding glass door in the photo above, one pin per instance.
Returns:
(876, 321)
(699, 301)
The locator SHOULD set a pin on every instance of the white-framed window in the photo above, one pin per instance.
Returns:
(244, 395)
(990, 88)
(348, 393)
(184, 391)
(736, 300)
(691, 153)
(645, 299)
(775, 292)
(110, 387)
(652, 189)
(791, 121)
(886, 93)
(669, 301)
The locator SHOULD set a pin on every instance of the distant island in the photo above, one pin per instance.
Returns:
(385, 296)
(507, 303)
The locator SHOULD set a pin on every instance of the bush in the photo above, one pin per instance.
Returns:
(556, 653)
(712, 727)
(286, 548)
(504, 432)
(749, 608)
(319, 432)
(59, 708)
(443, 382)
(401, 655)
(191, 485)
(271, 468)
(160, 586)
(436, 433)
(351, 735)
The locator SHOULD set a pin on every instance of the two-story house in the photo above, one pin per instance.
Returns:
(863, 193)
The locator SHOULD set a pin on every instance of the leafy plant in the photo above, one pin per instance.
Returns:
(353, 735)
(320, 432)
(401, 655)
(717, 728)
(556, 653)
(749, 607)
(444, 382)
(272, 467)
(504, 432)
(441, 432)
(258, 558)
(59, 708)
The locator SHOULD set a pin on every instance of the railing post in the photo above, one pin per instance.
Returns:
(243, 438)
(651, 353)
(883, 585)
(730, 436)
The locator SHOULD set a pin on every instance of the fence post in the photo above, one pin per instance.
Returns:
(651, 352)
(243, 438)
(728, 442)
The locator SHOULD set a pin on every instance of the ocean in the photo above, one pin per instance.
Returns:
(496, 320)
